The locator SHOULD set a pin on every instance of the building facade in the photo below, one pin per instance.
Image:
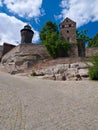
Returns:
(68, 30)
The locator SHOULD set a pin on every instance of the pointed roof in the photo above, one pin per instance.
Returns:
(67, 20)
(27, 27)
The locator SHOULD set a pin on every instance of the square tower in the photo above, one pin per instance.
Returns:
(68, 30)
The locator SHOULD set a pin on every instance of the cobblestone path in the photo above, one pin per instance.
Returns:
(28, 103)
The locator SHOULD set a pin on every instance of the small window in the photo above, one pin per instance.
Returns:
(69, 25)
(67, 31)
(66, 20)
(63, 26)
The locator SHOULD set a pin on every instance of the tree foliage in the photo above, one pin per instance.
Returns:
(93, 70)
(48, 28)
(94, 41)
(52, 39)
(82, 35)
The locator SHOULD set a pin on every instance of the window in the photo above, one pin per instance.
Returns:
(69, 25)
(67, 31)
(63, 26)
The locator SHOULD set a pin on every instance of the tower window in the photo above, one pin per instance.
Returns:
(67, 31)
(63, 26)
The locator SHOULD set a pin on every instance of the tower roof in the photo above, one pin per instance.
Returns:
(68, 20)
(27, 28)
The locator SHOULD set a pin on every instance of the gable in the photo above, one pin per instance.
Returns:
(67, 21)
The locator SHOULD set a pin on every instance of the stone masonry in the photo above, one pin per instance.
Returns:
(68, 30)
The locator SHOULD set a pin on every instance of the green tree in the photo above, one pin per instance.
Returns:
(82, 35)
(48, 28)
(94, 41)
(52, 39)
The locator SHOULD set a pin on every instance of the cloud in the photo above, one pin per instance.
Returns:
(27, 8)
(10, 29)
(81, 11)
(0, 3)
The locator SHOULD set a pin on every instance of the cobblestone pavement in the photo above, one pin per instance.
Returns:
(28, 103)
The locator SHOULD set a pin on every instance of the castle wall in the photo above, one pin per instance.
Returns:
(91, 51)
(26, 52)
(7, 47)
(10, 53)
(1, 49)
(73, 52)
(39, 49)
(30, 54)
(81, 48)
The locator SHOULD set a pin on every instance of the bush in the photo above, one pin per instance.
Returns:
(33, 73)
(93, 71)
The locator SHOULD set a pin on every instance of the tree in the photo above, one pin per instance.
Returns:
(48, 28)
(52, 39)
(94, 41)
(82, 35)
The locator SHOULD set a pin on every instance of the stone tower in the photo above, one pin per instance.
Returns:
(68, 30)
(26, 34)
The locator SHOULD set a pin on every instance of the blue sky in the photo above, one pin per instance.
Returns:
(14, 14)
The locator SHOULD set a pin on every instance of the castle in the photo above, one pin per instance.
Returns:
(29, 53)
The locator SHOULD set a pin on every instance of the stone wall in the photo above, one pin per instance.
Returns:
(7, 47)
(39, 49)
(68, 30)
(10, 53)
(73, 51)
(81, 48)
(91, 51)
(26, 54)
(1, 48)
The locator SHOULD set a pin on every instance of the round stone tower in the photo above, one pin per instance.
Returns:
(26, 34)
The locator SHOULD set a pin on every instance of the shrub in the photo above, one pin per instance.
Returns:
(33, 73)
(93, 70)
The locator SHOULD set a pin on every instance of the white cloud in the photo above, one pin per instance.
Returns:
(10, 29)
(27, 8)
(35, 37)
(0, 3)
(81, 11)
